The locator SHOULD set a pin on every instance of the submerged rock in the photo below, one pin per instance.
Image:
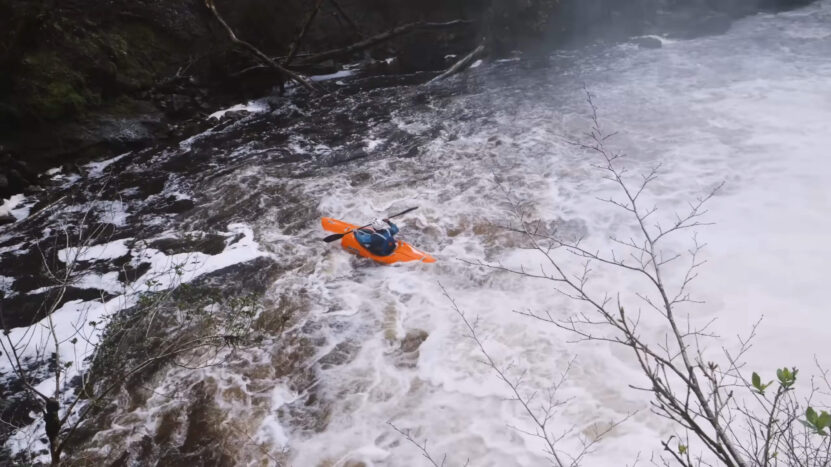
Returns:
(413, 340)
(648, 42)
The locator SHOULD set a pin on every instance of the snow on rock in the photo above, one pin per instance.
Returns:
(16, 207)
(335, 75)
(111, 250)
(80, 320)
(256, 106)
(96, 169)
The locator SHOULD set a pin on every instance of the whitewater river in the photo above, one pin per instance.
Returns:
(751, 108)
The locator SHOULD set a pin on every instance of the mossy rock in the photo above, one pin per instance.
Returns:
(139, 53)
(53, 89)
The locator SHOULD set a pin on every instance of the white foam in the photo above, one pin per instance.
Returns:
(736, 107)
(730, 107)
(6, 284)
(372, 143)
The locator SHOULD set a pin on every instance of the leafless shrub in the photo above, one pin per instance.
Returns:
(722, 415)
(159, 322)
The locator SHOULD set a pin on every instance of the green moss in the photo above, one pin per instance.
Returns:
(52, 89)
(139, 53)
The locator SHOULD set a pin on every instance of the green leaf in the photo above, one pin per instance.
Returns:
(682, 449)
(824, 420)
(757, 381)
(811, 416)
(787, 377)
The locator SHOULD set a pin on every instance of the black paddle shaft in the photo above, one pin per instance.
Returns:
(332, 238)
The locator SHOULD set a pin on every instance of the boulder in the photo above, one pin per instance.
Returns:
(648, 42)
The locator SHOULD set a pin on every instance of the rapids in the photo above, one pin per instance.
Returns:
(751, 107)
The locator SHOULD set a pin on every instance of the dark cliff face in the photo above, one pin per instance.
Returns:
(86, 78)
(78, 76)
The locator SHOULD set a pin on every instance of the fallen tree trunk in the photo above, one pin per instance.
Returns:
(460, 65)
(256, 52)
(384, 36)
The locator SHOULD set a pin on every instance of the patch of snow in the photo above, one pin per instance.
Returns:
(16, 207)
(112, 212)
(108, 282)
(166, 270)
(476, 63)
(335, 75)
(256, 106)
(96, 169)
(74, 320)
(111, 250)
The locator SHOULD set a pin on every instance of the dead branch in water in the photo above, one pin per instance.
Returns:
(378, 38)
(255, 51)
(460, 65)
(296, 44)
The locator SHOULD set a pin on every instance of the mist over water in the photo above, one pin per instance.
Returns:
(751, 107)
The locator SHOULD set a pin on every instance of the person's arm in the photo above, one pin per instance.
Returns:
(393, 227)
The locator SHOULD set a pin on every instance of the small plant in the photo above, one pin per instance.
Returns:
(787, 378)
(756, 381)
(817, 422)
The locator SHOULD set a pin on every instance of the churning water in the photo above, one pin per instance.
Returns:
(751, 108)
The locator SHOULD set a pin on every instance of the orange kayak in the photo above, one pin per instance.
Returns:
(403, 252)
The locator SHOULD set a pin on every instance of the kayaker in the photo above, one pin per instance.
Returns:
(379, 239)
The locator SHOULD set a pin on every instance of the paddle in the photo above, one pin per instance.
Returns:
(332, 238)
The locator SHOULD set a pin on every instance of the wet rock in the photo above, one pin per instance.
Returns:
(24, 310)
(15, 179)
(341, 354)
(178, 105)
(210, 244)
(410, 153)
(169, 205)
(180, 206)
(343, 158)
(7, 219)
(648, 42)
(234, 115)
(129, 131)
(27, 283)
(413, 340)
(128, 273)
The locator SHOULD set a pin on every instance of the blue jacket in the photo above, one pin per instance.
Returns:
(379, 243)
